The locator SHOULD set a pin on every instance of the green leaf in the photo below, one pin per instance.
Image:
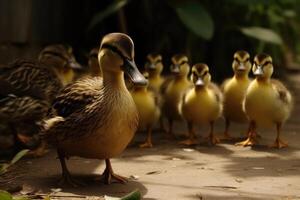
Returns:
(5, 195)
(263, 34)
(195, 18)
(101, 15)
(18, 156)
(135, 195)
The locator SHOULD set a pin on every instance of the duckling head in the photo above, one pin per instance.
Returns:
(200, 75)
(93, 62)
(62, 59)
(180, 65)
(116, 55)
(262, 66)
(241, 64)
(154, 65)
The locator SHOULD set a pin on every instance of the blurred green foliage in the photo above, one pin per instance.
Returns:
(210, 31)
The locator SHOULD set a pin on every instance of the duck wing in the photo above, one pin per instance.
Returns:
(217, 91)
(283, 93)
(77, 96)
(29, 78)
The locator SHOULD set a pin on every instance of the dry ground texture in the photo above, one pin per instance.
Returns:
(171, 171)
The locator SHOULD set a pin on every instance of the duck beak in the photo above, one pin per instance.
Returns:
(259, 71)
(134, 74)
(241, 67)
(199, 82)
(175, 69)
(74, 64)
(152, 66)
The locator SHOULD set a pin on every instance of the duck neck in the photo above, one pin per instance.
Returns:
(114, 80)
(199, 89)
(154, 75)
(140, 89)
(241, 76)
(263, 80)
(181, 78)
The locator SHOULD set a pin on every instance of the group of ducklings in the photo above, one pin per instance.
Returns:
(97, 116)
(197, 100)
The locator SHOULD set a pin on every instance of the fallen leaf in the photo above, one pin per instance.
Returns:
(188, 150)
(134, 177)
(238, 180)
(220, 186)
(258, 168)
(154, 172)
(135, 195)
(55, 190)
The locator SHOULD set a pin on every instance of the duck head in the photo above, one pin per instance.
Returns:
(180, 65)
(61, 58)
(241, 64)
(117, 54)
(154, 65)
(262, 66)
(200, 75)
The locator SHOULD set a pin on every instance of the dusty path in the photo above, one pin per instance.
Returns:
(169, 171)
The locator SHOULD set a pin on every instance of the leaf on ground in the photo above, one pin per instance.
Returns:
(18, 156)
(135, 195)
(134, 177)
(258, 168)
(154, 172)
(5, 195)
(221, 186)
(188, 150)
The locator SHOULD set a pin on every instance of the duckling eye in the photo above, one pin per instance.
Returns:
(158, 61)
(236, 60)
(247, 60)
(182, 62)
(205, 73)
(268, 62)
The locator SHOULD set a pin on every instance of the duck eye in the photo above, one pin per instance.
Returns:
(158, 61)
(268, 62)
(205, 73)
(247, 60)
(182, 62)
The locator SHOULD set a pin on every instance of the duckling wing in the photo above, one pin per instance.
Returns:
(217, 91)
(165, 84)
(283, 92)
(14, 108)
(28, 78)
(225, 82)
(77, 95)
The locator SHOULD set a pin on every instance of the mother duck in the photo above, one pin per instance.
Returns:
(97, 117)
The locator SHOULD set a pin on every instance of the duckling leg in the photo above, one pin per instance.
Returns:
(66, 176)
(278, 142)
(227, 136)
(108, 174)
(148, 142)
(161, 124)
(192, 140)
(170, 134)
(212, 138)
(252, 136)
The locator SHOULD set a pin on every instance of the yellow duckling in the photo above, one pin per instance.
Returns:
(154, 67)
(201, 104)
(174, 88)
(62, 61)
(97, 117)
(267, 102)
(149, 112)
(234, 90)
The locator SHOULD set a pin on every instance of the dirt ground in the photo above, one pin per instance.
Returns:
(172, 171)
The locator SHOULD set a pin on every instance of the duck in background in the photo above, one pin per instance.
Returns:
(62, 60)
(93, 63)
(234, 90)
(146, 102)
(97, 117)
(202, 104)
(267, 102)
(154, 68)
(174, 88)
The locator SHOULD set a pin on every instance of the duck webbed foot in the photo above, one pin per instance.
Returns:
(279, 144)
(109, 175)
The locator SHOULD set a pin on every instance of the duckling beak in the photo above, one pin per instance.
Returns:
(259, 71)
(175, 69)
(74, 64)
(134, 74)
(199, 82)
(152, 66)
(241, 67)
